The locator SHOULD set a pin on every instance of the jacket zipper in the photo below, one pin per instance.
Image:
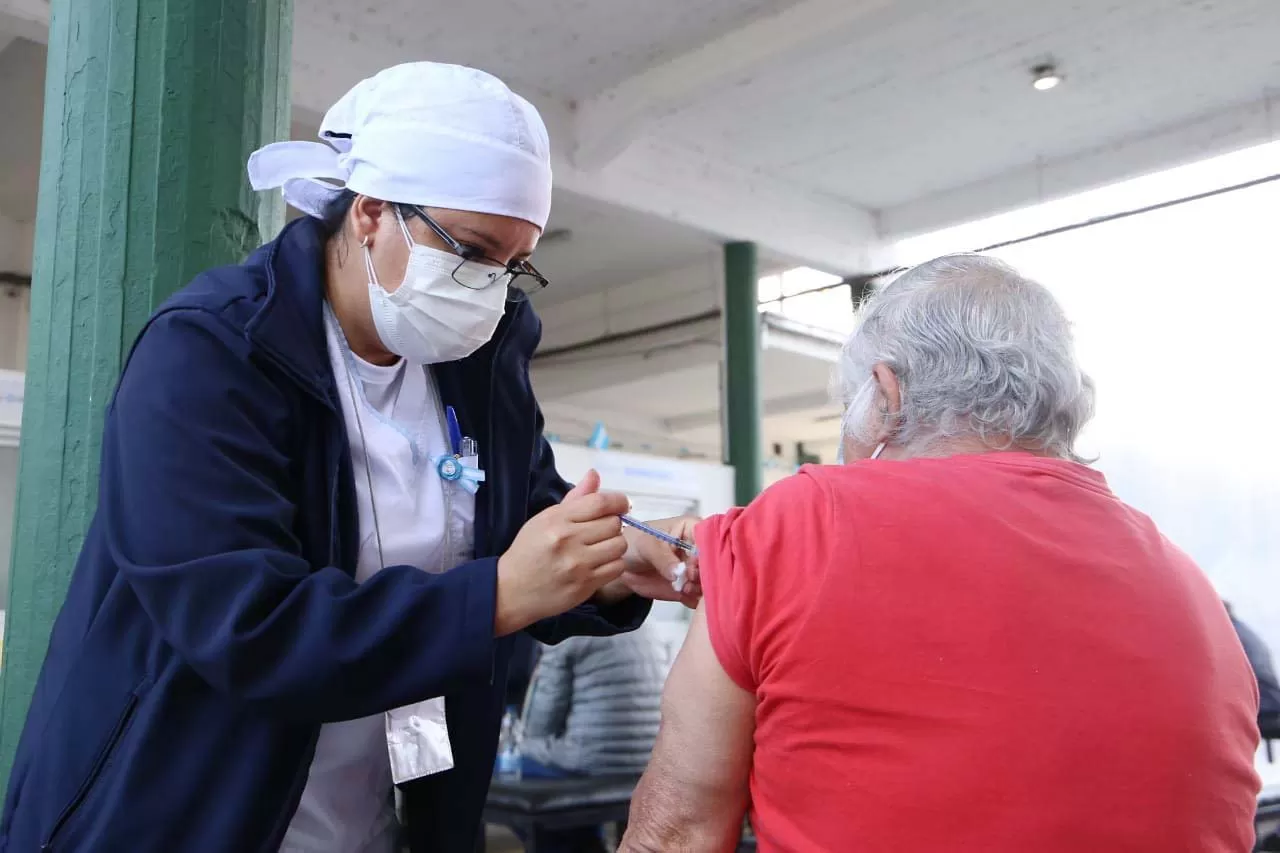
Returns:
(489, 492)
(493, 375)
(117, 732)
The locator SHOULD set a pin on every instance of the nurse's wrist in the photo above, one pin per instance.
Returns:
(509, 617)
(612, 593)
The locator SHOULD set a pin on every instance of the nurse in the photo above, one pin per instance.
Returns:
(326, 507)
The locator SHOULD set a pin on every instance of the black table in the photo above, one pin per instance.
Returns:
(1269, 803)
(529, 804)
(1265, 821)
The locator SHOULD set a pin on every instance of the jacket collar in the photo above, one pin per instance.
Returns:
(289, 327)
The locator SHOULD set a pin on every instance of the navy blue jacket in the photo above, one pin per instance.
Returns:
(213, 623)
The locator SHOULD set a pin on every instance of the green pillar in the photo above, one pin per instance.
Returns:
(151, 110)
(742, 369)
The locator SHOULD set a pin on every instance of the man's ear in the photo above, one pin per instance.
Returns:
(888, 393)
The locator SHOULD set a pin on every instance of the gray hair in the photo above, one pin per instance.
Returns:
(979, 351)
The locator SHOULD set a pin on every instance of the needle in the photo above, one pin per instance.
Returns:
(688, 547)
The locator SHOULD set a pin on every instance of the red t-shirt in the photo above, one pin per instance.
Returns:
(984, 653)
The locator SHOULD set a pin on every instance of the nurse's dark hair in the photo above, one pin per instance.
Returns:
(334, 214)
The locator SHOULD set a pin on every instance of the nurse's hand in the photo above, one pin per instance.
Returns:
(561, 557)
(652, 564)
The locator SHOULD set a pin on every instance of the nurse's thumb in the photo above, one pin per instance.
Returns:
(590, 484)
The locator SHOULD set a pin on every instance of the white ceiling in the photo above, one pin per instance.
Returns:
(922, 97)
(815, 127)
(569, 48)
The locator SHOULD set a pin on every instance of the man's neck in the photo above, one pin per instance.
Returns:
(958, 446)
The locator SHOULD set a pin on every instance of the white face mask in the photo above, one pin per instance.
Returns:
(431, 318)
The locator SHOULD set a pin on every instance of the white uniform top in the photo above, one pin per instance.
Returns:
(348, 803)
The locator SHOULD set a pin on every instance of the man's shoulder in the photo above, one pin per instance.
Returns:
(804, 491)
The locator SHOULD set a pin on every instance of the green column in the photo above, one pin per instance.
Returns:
(151, 109)
(742, 369)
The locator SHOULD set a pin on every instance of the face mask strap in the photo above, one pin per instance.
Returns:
(368, 262)
(404, 228)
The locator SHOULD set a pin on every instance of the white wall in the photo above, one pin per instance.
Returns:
(8, 489)
(17, 244)
(10, 415)
(15, 314)
(22, 106)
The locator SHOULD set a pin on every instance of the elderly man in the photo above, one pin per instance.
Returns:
(961, 640)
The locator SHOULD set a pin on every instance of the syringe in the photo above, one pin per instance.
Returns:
(688, 547)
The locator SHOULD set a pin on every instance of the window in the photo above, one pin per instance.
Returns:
(808, 296)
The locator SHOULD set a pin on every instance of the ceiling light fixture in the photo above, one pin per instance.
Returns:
(1045, 77)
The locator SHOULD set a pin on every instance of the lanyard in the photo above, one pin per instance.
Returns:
(356, 401)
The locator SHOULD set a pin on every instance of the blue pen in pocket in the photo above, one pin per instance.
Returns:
(455, 431)
(461, 465)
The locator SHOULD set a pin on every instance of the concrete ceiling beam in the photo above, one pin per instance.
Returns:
(1221, 132)
(607, 124)
(28, 19)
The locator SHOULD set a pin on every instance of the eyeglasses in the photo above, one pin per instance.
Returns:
(522, 278)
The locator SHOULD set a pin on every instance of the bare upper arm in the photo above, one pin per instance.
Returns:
(694, 793)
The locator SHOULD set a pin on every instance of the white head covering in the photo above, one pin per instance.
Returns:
(421, 133)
